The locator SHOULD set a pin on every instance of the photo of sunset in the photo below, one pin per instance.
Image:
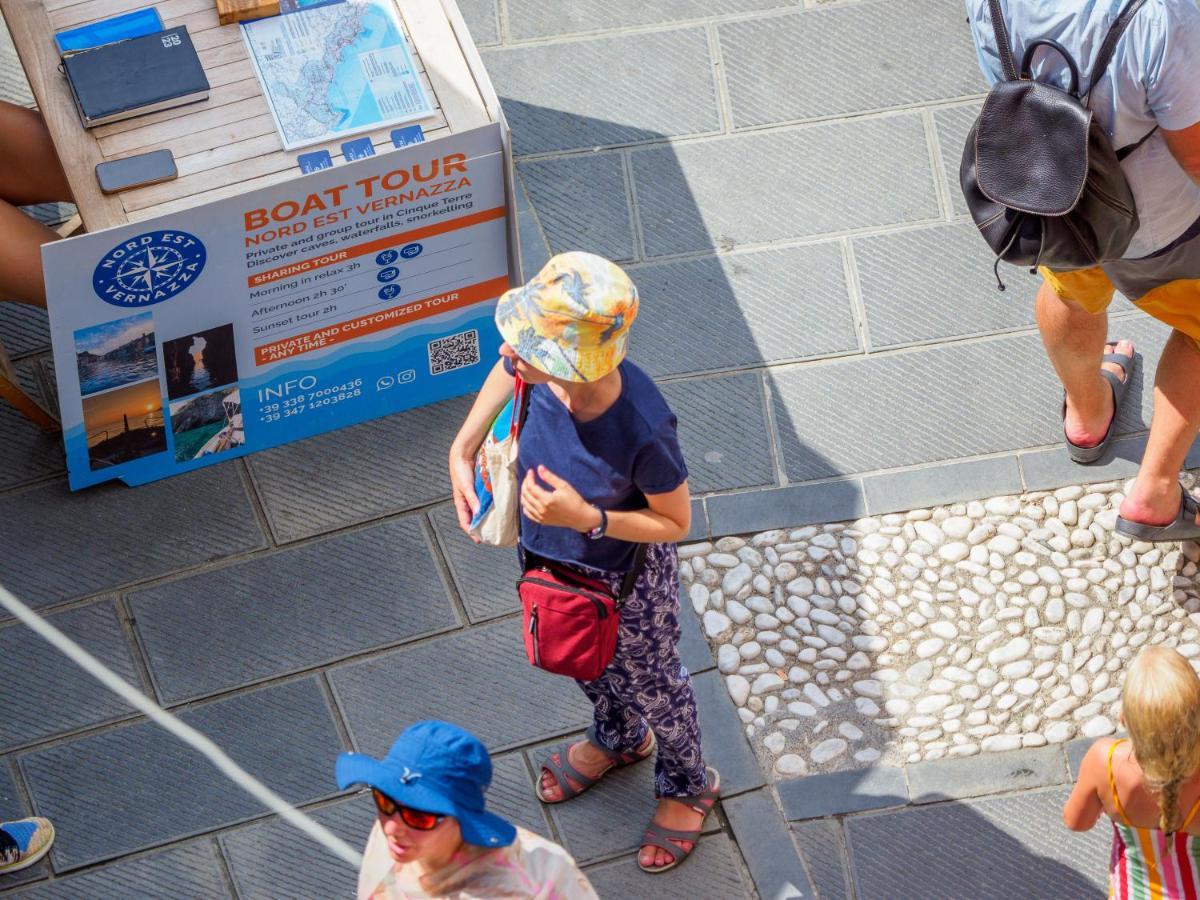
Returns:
(124, 424)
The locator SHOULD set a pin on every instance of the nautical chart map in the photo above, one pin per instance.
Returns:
(335, 69)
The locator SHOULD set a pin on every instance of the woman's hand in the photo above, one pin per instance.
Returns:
(559, 505)
(462, 485)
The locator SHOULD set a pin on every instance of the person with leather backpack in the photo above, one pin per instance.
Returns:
(603, 499)
(1085, 163)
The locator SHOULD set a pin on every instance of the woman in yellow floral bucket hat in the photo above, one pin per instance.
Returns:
(601, 472)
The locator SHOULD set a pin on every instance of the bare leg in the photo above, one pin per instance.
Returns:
(29, 168)
(1075, 342)
(1154, 498)
(29, 173)
(21, 256)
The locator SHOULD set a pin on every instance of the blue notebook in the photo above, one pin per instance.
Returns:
(119, 28)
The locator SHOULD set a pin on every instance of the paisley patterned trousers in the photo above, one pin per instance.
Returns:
(646, 684)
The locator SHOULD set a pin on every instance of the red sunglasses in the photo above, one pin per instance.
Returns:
(413, 818)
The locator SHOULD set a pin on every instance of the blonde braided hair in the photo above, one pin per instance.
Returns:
(1161, 708)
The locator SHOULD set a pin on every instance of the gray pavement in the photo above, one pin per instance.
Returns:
(780, 181)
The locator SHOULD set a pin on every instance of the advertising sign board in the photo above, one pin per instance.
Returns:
(278, 314)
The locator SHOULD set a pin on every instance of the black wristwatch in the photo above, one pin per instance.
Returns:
(598, 532)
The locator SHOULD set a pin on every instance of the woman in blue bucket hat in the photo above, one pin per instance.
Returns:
(434, 837)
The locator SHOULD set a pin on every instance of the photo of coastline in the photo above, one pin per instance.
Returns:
(115, 353)
(124, 424)
(200, 361)
(208, 424)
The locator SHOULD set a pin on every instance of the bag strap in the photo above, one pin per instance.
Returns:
(1125, 151)
(1003, 45)
(631, 577)
(521, 392)
(1107, 48)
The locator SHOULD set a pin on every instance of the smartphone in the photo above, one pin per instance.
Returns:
(136, 171)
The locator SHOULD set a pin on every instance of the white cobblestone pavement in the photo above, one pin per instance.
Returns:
(991, 625)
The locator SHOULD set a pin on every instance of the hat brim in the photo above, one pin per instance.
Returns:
(481, 828)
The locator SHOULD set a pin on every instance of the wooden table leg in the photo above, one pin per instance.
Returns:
(11, 390)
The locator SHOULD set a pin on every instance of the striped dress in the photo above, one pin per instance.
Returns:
(1148, 863)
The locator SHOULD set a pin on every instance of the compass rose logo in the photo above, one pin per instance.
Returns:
(149, 268)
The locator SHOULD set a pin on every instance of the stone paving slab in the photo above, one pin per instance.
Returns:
(511, 794)
(483, 20)
(926, 408)
(137, 786)
(839, 793)
(50, 695)
(936, 283)
(125, 535)
(713, 870)
(608, 820)
(532, 242)
(697, 196)
(269, 859)
(597, 97)
(952, 126)
(13, 86)
(533, 19)
(480, 677)
(822, 845)
(1004, 847)
(767, 846)
(485, 577)
(24, 329)
(994, 773)
(723, 312)
(581, 203)
(795, 505)
(181, 873)
(292, 610)
(318, 484)
(27, 454)
(723, 431)
(725, 746)
(938, 485)
(846, 59)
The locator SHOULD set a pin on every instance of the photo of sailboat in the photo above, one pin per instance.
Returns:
(207, 424)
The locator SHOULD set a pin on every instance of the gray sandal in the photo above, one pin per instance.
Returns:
(1086, 456)
(1184, 528)
(559, 765)
(660, 836)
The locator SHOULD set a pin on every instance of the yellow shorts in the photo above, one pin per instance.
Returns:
(1166, 284)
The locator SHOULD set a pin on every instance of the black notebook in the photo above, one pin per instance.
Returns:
(135, 76)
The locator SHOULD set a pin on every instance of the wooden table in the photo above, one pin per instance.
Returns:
(227, 144)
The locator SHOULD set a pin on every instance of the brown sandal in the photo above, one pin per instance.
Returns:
(559, 765)
(660, 836)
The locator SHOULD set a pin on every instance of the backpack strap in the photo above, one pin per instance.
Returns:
(1003, 44)
(1104, 57)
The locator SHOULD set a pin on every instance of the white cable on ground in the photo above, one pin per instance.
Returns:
(181, 730)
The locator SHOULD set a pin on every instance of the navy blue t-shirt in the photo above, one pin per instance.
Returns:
(613, 461)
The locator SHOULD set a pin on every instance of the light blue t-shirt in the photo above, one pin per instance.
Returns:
(1154, 77)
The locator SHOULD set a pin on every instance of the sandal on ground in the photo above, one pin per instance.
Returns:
(1184, 528)
(1086, 456)
(660, 836)
(559, 765)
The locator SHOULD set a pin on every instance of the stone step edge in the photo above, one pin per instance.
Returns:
(954, 481)
(875, 788)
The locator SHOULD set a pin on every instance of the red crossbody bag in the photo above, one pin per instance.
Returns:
(570, 619)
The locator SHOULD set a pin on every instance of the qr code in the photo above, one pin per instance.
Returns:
(455, 351)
